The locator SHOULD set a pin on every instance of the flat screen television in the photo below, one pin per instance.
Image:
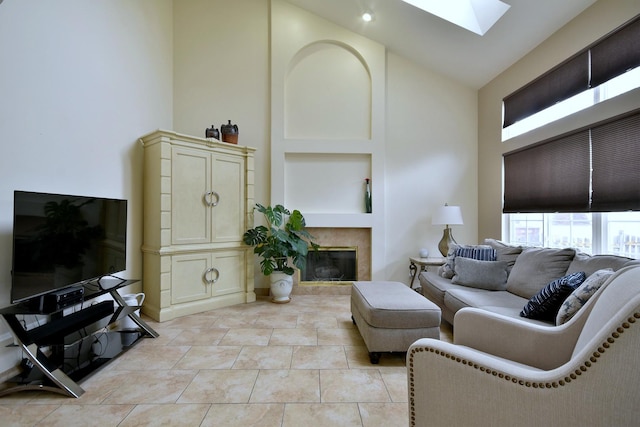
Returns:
(62, 240)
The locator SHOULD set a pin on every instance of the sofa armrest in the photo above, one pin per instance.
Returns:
(516, 339)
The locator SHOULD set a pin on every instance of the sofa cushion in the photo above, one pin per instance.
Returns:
(480, 252)
(536, 267)
(435, 286)
(504, 251)
(581, 295)
(545, 304)
(490, 275)
(455, 299)
(590, 264)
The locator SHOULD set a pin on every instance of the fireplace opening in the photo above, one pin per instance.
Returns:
(330, 266)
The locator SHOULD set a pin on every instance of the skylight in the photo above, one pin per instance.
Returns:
(474, 15)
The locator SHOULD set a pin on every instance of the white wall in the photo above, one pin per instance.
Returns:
(431, 159)
(595, 22)
(79, 83)
(222, 72)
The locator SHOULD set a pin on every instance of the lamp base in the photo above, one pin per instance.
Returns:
(446, 241)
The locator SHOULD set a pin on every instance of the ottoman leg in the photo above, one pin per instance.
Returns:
(374, 357)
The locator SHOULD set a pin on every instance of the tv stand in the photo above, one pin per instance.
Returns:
(72, 346)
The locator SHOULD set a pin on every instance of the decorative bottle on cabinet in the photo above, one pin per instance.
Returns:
(196, 198)
(367, 197)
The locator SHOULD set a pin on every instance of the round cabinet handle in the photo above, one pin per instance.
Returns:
(206, 278)
(217, 196)
(213, 270)
(205, 198)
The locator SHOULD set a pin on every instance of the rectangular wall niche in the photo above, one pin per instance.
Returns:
(330, 266)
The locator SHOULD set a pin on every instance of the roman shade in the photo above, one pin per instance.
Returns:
(616, 165)
(591, 170)
(563, 82)
(549, 177)
(609, 57)
(616, 54)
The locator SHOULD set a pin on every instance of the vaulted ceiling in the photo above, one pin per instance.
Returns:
(443, 47)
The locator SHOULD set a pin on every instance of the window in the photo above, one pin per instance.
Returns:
(616, 233)
(601, 71)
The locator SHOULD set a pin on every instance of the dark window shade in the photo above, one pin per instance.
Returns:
(616, 54)
(561, 83)
(551, 177)
(616, 165)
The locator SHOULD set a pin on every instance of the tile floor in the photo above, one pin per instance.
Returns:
(258, 364)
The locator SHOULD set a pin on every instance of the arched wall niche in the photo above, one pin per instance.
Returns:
(328, 93)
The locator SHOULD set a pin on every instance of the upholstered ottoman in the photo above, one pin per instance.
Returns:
(391, 316)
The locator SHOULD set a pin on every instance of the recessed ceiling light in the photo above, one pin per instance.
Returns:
(367, 16)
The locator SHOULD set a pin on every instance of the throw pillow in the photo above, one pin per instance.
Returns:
(580, 296)
(535, 267)
(504, 251)
(545, 304)
(480, 252)
(489, 275)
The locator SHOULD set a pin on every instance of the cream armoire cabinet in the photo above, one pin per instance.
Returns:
(198, 201)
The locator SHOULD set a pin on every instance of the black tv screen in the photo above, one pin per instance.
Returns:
(62, 240)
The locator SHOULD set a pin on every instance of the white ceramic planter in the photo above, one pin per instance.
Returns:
(281, 286)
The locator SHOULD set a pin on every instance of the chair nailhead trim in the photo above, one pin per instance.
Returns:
(561, 383)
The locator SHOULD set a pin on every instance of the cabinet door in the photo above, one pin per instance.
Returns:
(190, 182)
(231, 267)
(189, 277)
(228, 183)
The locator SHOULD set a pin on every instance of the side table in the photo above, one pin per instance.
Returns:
(424, 263)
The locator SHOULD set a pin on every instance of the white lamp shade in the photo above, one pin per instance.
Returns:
(447, 215)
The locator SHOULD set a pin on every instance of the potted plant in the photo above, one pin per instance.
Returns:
(282, 244)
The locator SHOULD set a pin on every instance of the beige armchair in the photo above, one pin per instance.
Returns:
(504, 372)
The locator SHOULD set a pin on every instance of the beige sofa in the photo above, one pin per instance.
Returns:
(525, 271)
(502, 370)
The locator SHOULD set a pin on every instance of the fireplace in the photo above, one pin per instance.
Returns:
(330, 266)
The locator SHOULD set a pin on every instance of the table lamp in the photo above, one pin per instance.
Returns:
(447, 215)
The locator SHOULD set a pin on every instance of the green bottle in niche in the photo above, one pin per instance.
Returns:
(367, 196)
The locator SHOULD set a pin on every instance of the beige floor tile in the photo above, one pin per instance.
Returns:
(282, 386)
(264, 357)
(246, 336)
(190, 322)
(23, 415)
(84, 415)
(384, 414)
(353, 385)
(186, 415)
(396, 381)
(199, 337)
(149, 358)
(235, 321)
(323, 415)
(209, 357)
(145, 386)
(276, 321)
(317, 320)
(319, 357)
(243, 415)
(294, 337)
(339, 337)
(297, 364)
(220, 386)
